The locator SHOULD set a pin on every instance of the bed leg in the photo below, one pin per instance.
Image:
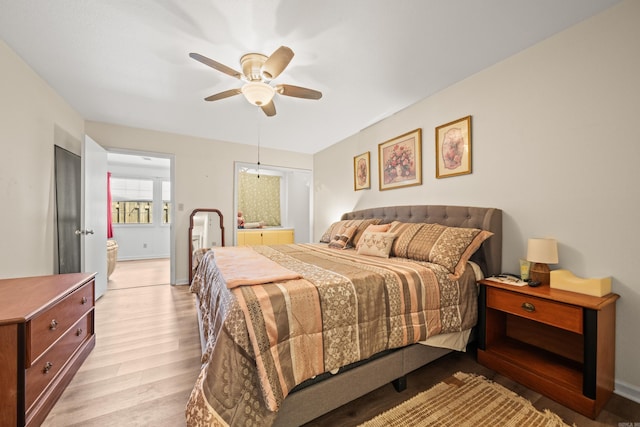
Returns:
(400, 384)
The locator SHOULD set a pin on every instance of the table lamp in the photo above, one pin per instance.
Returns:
(542, 252)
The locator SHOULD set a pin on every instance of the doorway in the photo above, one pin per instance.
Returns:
(142, 212)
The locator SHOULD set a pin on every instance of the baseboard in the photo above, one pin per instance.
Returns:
(142, 258)
(627, 390)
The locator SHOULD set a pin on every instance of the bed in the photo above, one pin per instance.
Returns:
(346, 321)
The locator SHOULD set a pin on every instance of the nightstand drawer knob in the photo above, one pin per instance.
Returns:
(527, 306)
(53, 325)
(83, 301)
(47, 367)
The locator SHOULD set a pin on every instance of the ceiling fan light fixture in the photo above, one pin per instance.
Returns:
(258, 93)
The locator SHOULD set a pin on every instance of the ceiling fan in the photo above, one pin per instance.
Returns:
(257, 72)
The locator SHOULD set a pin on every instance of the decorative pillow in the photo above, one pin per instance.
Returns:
(382, 228)
(364, 224)
(450, 247)
(376, 243)
(405, 232)
(334, 229)
(341, 240)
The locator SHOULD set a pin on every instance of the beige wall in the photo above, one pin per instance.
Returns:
(32, 119)
(204, 172)
(554, 146)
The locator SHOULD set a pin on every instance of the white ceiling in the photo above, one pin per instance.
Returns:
(143, 162)
(126, 62)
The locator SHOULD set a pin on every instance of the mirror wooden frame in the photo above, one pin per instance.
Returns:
(193, 214)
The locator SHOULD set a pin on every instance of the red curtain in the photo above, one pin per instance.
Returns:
(109, 219)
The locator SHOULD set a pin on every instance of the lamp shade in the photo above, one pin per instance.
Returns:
(543, 251)
(258, 93)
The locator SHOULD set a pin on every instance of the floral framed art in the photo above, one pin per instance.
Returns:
(361, 171)
(400, 161)
(453, 148)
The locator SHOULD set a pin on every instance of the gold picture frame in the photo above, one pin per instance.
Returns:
(362, 171)
(400, 161)
(453, 148)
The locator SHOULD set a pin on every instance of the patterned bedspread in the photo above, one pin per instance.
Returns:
(263, 340)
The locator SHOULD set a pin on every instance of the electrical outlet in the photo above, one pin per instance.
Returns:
(213, 243)
(144, 246)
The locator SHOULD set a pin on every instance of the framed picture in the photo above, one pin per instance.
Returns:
(453, 148)
(400, 161)
(361, 172)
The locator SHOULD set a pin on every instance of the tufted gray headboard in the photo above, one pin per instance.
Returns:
(489, 256)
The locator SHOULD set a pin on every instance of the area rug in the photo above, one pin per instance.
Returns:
(466, 400)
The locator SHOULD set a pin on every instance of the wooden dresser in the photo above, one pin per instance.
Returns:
(46, 332)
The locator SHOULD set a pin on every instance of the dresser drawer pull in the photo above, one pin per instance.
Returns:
(83, 301)
(527, 306)
(79, 332)
(53, 325)
(47, 367)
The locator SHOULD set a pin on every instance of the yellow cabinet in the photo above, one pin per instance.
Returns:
(277, 236)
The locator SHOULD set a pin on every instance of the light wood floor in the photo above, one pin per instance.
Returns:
(144, 365)
(147, 358)
(136, 273)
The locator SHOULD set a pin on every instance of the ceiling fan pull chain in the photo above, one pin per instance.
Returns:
(258, 145)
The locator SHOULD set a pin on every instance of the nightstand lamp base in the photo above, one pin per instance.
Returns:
(542, 252)
(540, 273)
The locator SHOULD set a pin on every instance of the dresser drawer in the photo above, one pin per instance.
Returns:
(564, 316)
(47, 327)
(45, 369)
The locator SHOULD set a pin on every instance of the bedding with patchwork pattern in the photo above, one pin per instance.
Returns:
(263, 340)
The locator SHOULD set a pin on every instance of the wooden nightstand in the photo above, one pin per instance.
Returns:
(558, 343)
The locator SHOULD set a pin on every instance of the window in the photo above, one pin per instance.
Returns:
(131, 201)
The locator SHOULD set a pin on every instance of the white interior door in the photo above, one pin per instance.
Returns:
(94, 212)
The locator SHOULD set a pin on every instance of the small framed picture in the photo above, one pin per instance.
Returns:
(361, 172)
(453, 148)
(400, 161)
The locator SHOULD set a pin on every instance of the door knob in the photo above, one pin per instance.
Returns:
(78, 232)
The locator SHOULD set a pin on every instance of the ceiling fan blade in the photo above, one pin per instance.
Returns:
(216, 65)
(269, 109)
(222, 95)
(298, 92)
(277, 62)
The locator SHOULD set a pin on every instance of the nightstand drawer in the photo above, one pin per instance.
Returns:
(47, 327)
(552, 313)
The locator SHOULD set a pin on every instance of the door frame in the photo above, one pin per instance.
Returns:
(172, 228)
